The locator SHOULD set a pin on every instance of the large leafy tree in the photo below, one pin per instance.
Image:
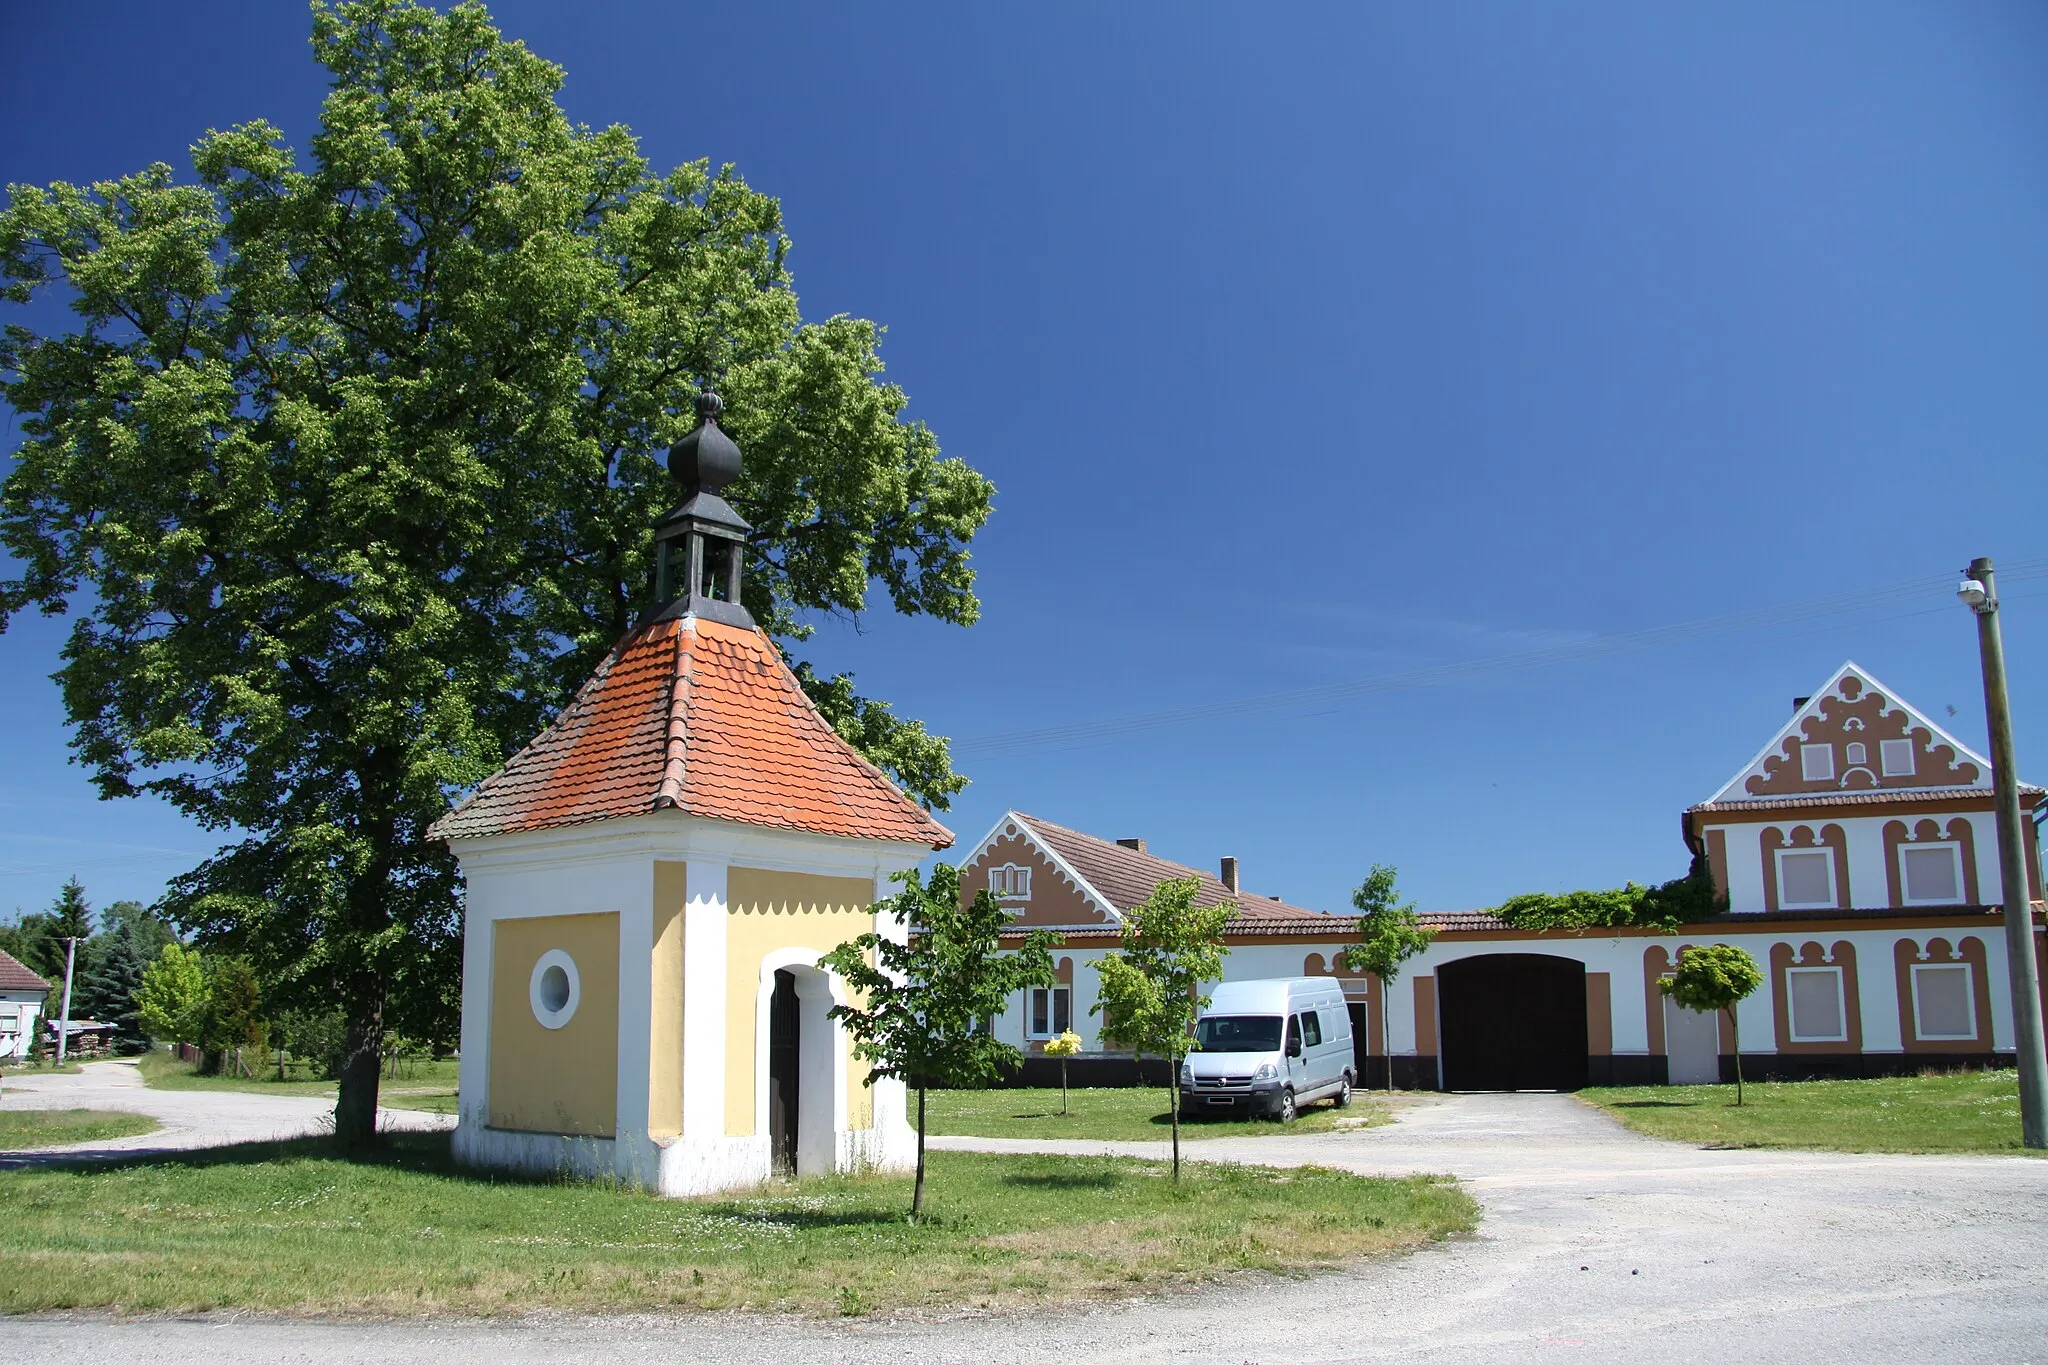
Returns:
(349, 463)
(925, 993)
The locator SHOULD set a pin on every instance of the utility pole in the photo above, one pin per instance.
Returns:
(1979, 592)
(64, 1022)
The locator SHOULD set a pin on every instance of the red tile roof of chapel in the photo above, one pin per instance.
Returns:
(698, 716)
(14, 976)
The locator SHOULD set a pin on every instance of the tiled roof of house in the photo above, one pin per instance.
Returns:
(1919, 796)
(1126, 877)
(693, 715)
(15, 977)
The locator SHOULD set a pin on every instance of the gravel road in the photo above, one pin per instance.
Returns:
(190, 1118)
(1596, 1245)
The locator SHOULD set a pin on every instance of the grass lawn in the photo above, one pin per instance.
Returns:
(162, 1071)
(428, 1085)
(1975, 1111)
(24, 1128)
(1122, 1114)
(292, 1227)
(44, 1068)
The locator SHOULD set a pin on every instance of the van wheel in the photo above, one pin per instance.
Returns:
(1286, 1112)
(1344, 1092)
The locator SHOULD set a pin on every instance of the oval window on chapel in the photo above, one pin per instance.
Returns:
(554, 990)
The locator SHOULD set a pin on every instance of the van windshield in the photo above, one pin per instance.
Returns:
(1239, 1033)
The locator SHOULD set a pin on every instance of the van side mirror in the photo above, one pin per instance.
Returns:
(1293, 1037)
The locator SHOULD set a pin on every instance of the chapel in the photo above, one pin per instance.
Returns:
(650, 885)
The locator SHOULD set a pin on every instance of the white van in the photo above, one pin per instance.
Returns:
(1269, 1047)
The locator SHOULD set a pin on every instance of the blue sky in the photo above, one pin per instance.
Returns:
(1308, 346)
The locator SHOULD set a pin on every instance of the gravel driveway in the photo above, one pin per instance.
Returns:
(1596, 1245)
(190, 1118)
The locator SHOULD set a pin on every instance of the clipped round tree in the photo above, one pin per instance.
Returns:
(1063, 1047)
(1718, 976)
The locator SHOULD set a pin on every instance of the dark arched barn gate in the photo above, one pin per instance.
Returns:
(1512, 1021)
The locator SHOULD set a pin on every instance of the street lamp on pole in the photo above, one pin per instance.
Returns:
(1979, 592)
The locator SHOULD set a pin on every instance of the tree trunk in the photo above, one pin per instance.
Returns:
(355, 1107)
(917, 1190)
(1735, 1030)
(1063, 1086)
(1173, 1109)
(1387, 1030)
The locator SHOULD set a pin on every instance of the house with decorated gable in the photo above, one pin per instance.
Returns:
(1857, 856)
(650, 884)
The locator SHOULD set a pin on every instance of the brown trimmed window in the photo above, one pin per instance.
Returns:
(1931, 874)
(1944, 1002)
(1813, 998)
(1051, 1011)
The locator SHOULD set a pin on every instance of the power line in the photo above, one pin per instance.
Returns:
(1755, 619)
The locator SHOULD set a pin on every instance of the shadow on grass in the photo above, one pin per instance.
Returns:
(1655, 1104)
(423, 1153)
(1063, 1180)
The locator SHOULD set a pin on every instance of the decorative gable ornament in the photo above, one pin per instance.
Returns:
(1856, 735)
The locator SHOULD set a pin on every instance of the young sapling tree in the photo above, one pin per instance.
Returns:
(1388, 935)
(1152, 988)
(1063, 1047)
(1718, 976)
(924, 994)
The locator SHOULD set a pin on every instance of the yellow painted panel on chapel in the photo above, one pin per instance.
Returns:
(766, 912)
(665, 1025)
(555, 1080)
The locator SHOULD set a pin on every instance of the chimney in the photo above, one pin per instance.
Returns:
(1138, 844)
(1229, 875)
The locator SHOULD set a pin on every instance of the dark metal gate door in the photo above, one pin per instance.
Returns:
(1365, 1061)
(1512, 1021)
(785, 1024)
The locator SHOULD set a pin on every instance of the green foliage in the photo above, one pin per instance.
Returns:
(348, 470)
(1388, 932)
(140, 925)
(923, 995)
(232, 1017)
(70, 915)
(313, 1035)
(32, 940)
(1716, 976)
(1151, 991)
(173, 995)
(1683, 900)
(109, 989)
(1151, 987)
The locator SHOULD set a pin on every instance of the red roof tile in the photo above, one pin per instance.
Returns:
(1126, 877)
(15, 977)
(697, 716)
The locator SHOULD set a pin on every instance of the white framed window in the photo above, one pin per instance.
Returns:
(1806, 878)
(1895, 756)
(1010, 882)
(555, 989)
(1931, 874)
(1944, 1002)
(1049, 1011)
(1855, 755)
(1817, 762)
(1813, 997)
